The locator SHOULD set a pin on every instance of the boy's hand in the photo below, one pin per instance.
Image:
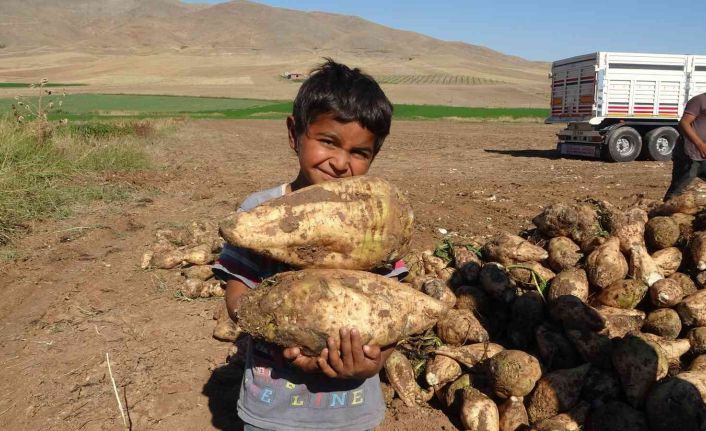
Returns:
(352, 360)
(308, 364)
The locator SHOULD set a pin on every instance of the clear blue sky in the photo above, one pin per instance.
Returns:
(536, 30)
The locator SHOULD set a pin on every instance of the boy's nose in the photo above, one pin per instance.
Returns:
(339, 163)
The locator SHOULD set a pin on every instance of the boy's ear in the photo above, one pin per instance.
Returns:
(292, 134)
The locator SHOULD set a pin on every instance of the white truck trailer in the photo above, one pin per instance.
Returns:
(621, 105)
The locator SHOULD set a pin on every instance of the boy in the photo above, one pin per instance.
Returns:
(340, 119)
(689, 156)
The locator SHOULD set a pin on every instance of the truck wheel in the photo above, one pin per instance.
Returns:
(624, 145)
(660, 142)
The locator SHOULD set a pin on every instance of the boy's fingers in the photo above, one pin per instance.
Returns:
(306, 364)
(326, 368)
(346, 348)
(333, 356)
(357, 347)
(372, 352)
(291, 353)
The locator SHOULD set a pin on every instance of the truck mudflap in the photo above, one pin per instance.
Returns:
(575, 149)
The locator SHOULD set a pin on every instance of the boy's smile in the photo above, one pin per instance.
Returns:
(330, 150)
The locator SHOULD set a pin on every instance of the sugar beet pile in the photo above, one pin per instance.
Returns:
(594, 320)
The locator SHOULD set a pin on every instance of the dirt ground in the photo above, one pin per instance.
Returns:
(76, 291)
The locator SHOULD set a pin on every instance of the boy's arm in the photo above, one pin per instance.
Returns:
(234, 290)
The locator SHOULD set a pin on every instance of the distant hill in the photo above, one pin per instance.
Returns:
(115, 37)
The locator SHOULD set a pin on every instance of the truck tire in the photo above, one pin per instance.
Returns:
(623, 145)
(660, 142)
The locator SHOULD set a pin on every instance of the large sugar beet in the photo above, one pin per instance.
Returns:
(571, 281)
(692, 309)
(470, 354)
(668, 260)
(643, 267)
(478, 412)
(688, 202)
(558, 219)
(678, 403)
(506, 248)
(460, 327)
(556, 392)
(661, 232)
(304, 308)
(698, 250)
(616, 416)
(563, 253)
(629, 227)
(356, 223)
(623, 294)
(606, 264)
(639, 363)
(400, 374)
(513, 373)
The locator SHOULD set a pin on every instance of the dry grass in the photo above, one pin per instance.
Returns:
(46, 176)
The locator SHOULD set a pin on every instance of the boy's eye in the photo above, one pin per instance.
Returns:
(328, 143)
(361, 155)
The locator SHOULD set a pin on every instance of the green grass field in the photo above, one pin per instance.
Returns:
(107, 106)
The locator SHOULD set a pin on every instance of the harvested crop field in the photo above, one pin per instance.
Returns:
(73, 289)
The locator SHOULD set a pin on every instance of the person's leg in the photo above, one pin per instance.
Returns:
(683, 170)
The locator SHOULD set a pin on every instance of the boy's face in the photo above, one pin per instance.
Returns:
(330, 149)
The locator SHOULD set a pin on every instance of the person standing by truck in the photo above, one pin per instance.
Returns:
(689, 156)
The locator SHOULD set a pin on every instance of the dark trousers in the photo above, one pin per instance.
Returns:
(684, 169)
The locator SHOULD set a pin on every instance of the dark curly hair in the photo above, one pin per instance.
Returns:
(348, 94)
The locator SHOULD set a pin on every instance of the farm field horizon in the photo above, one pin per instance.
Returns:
(88, 106)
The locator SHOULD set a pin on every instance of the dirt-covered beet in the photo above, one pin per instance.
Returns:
(563, 253)
(555, 350)
(663, 322)
(441, 369)
(666, 293)
(506, 249)
(438, 289)
(400, 374)
(576, 314)
(692, 309)
(639, 363)
(513, 373)
(619, 321)
(556, 392)
(668, 260)
(616, 416)
(571, 281)
(687, 285)
(697, 248)
(470, 354)
(678, 403)
(643, 267)
(697, 340)
(461, 327)
(513, 414)
(623, 294)
(494, 279)
(305, 308)
(606, 264)
(359, 222)
(661, 232)
(478, 412)
(570, 421)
